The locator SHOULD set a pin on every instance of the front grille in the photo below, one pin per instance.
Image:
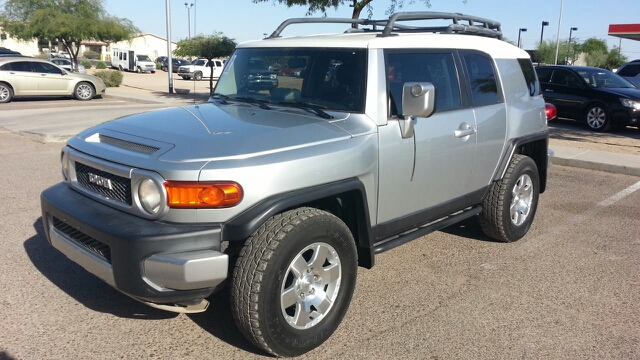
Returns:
(129, 145)
(101, 182)
(96, 247)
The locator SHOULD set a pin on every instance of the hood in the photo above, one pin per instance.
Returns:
(208, 132)
(631, 93)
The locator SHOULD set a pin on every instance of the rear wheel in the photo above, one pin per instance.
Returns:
(6, 93)
(509, 208)
(84, 91)
(597, 118)
(294, 280)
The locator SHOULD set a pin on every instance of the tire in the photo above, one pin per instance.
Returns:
(301, 256)
(120, 68)
(6, 93)
(197, 76)
(153, 72)
(509, 208)
(84, 91)
(138, 70)
(597, 117)
(186, 77)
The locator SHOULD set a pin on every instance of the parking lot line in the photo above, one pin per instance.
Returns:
(621, 195)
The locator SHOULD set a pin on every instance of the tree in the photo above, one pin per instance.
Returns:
(66, 21)
(209, 47)
(358, 5)
(599, 55)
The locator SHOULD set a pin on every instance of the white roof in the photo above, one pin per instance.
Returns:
(494, 47)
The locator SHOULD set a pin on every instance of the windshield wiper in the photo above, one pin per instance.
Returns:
(223, 98)
(315, 108)
(261, 103)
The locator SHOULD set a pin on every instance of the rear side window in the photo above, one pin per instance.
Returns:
(544, 75)
(630, 70)
(484, 89)
(21, 66)
(529, 76)
(436, 68)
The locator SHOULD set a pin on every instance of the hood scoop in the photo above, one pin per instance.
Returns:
(126, 145)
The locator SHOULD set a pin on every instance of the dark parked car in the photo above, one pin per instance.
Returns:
(596, 96)
(631, 72)
(177, 62)
(259, 77)
(160, 60)
(8, 52)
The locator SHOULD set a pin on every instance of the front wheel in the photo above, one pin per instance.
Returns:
(197, 76)
(597, 118)
(509, 208)
(294, 280)
(84, 91)
(6, 93)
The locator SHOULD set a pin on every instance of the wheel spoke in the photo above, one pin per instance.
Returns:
(299, 266)
(330, 274)
(289, 297)
(301, 317)
(319, 256)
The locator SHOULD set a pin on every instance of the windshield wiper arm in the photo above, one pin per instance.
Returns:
(223, 98)
(315, 108)
(261, 103)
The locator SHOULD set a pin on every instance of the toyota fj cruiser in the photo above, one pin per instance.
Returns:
(393, 130)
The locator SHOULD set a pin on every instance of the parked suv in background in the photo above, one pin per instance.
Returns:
(631, 72)
(282, 193)
(595, 96)
(201, 68)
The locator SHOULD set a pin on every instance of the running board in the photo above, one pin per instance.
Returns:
(423, 230)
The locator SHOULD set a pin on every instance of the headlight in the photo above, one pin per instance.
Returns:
(150, 196)
(630, 103)
(64, 160)
(273, 76)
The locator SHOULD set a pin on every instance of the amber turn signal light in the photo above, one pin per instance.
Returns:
(201, 195)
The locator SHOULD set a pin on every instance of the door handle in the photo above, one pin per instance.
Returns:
(460, 133)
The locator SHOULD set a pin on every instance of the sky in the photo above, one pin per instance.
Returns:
(242, 20)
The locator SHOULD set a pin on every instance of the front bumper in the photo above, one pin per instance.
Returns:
(151, 261)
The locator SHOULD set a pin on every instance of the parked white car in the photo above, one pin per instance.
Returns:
(68, 65)
(201, 68)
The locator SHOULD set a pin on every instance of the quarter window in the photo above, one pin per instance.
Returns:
(482, 78)
(436, 68)
(529, 76)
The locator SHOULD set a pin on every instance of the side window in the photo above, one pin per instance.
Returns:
(529, 76)
(45, 68)
(23, 66)
(5, 67)
(436, 68)
(631, 70)
(566, 78)
(218, 63)
(484, 89)
(544, 75)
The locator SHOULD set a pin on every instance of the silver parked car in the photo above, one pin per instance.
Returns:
(24, 77)
(68, 65)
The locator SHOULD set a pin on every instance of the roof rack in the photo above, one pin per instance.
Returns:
(472, 25)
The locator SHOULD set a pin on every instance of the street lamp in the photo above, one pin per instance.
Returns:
(189, 6)
(570, 33)
(520, 31)
(544, 23)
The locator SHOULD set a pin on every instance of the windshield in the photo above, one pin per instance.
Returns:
(600, 78)
(331, 79)
(144, 58)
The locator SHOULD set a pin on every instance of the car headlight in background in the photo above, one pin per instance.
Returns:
(630, 103)
(150, 196)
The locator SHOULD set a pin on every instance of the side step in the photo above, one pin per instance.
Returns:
(423, 230)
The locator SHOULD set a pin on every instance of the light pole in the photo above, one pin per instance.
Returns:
(188, 6)
(544, 23)
(520, 31)
(558, 33)
(570, 33)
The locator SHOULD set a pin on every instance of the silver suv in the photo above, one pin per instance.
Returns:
(282, 192)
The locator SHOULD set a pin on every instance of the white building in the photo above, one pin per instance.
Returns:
(29, 48)
(146, 44)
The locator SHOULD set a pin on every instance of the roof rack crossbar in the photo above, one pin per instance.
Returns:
(472, 24)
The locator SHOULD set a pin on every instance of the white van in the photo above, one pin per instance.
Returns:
(129, 60)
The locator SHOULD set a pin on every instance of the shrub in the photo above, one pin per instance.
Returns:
(86, 64)
(101, 65)
(111, 78)
(158, 66)
(91, 55)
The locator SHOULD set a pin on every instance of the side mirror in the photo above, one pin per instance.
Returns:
(418, 100)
